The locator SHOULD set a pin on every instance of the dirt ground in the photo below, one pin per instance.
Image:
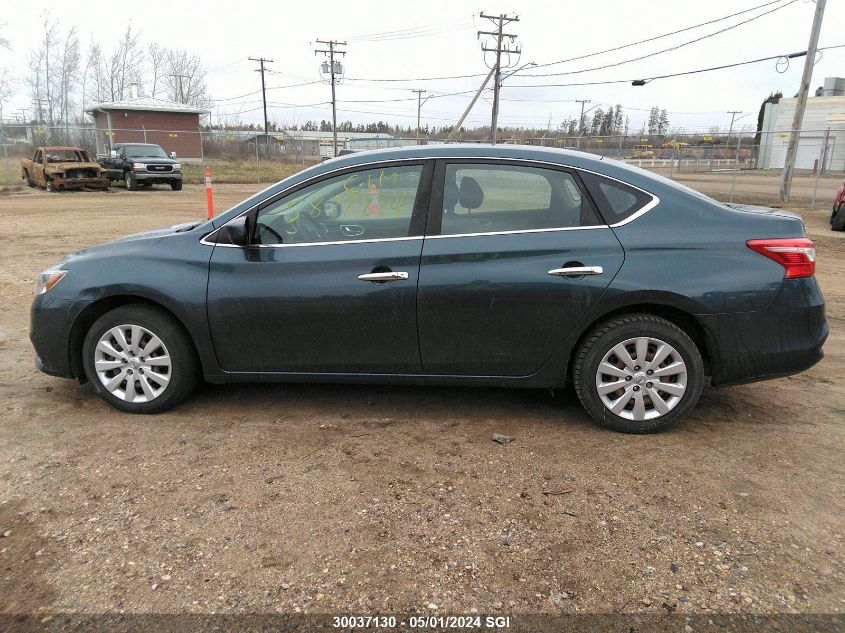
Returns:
(324, 498)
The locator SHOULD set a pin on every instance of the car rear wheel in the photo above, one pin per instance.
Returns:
(131, 181)
(140, 359)
(638, 374)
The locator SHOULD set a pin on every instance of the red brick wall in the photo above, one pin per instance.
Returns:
(174, 131)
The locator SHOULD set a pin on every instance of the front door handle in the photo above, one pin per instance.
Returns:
(388, 276)
(576, 271)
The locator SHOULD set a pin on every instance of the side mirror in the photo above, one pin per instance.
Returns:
(238, 231)
(113, 153)
(173, 155)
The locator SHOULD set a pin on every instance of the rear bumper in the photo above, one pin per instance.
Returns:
(785, 338)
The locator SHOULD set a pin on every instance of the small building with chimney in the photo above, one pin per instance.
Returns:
(174, 126)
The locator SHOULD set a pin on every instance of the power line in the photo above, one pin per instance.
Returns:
(417, 31)
(658, 37)
(641, 81)
(665, 50)
(262, 61)
(249, 94)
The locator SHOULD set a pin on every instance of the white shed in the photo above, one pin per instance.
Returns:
(823, 115)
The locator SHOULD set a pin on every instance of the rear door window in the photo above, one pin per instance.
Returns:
(616, 201)
(481, 198)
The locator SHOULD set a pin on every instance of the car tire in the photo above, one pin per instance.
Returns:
(637, 391)
(837, 222)
(176, 185)
(131, 181)
(29, 181)
(162, 378)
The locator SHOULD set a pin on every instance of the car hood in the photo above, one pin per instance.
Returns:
(134, 243)
(152, 160)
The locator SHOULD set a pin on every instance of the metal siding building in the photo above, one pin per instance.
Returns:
(821, 114)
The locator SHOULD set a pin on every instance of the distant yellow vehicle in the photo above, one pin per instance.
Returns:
(642, 151)
(677, 149)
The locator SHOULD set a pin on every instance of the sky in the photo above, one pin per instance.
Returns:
(415, 41)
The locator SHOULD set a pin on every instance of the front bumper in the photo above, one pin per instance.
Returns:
(50, 330)
(80, 183)
(785, 338)
(141, 176)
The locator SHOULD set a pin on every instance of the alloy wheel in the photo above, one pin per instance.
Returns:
(641, 378)
(132, 363)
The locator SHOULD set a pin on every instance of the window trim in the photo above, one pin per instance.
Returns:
(435, 188)
(435, 210)
(416, 227)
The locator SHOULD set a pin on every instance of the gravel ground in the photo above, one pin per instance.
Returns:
(326, 498)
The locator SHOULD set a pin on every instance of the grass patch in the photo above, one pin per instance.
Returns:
(239, 172)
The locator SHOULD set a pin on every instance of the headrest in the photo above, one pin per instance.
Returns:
(471, 196)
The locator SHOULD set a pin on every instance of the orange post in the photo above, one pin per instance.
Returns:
(209, 197)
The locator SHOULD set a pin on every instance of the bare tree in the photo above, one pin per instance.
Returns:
(124, 66)
(158, 65)
(184, 78)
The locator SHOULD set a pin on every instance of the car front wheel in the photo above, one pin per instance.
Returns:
(638, 373)
(140, 359)
(131, 181)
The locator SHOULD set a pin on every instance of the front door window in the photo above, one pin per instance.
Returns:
(362, 205)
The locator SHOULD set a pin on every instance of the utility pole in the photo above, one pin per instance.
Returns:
(460, 122)
(419, 107)
(331, 51)
(500, 21)
(801, 103)
(181, 93)
(733, 114)
(581, 124)
(261, 61)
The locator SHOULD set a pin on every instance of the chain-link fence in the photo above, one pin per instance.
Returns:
(735, 166)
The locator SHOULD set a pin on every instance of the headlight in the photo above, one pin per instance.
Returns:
(47, 279)
(177, 167)
(140, 166)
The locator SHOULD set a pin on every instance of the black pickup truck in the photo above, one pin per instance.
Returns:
(141, 164)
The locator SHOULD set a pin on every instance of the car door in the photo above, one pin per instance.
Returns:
(38, 168)
(328, 282)
(514, 256)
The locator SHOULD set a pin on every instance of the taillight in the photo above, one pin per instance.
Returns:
(796, 254)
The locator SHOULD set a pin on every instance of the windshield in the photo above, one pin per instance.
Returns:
(143, 151)
(66, 156)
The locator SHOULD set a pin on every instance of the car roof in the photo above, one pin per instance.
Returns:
(556, 156)
(68, 147)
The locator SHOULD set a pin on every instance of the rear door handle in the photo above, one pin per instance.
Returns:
(576, 271)
(388, 276)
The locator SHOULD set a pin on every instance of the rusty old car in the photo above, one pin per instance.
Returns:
(61, 168)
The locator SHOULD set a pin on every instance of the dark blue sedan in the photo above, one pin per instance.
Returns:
(473, 265)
